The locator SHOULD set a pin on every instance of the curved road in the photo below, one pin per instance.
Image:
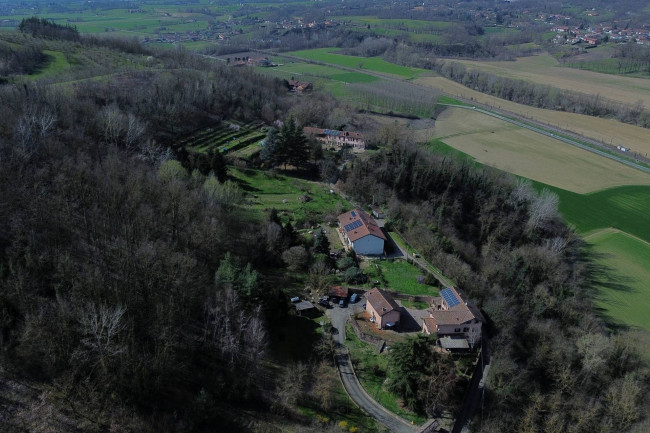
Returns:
(339, 317)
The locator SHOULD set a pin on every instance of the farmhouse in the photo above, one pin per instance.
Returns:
(449, 316)
(361, 232)
(299, 86)
(335, 140)
(382, 309)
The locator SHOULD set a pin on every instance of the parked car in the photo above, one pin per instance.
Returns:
(342, 303)
(295, 299)
(354, 298)
(324, 303)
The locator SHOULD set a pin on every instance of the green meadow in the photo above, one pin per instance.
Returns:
(622, 263)
(374, 64)
(626, 208)
(267, 190)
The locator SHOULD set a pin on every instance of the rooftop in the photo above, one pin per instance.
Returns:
(381, 301)
(358, 223)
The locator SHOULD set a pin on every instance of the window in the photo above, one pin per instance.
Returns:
(457, 330)
(465, 329)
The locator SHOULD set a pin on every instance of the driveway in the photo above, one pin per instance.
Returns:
(339, 317)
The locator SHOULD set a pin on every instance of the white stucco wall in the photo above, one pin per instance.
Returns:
(369, 245)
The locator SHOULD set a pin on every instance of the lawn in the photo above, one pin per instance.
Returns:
(622, 264)
(526, 153)
(267, 190)
(375, 64)
(399, 276)
(370, 367)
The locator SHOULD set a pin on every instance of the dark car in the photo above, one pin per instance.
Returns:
(324, 303)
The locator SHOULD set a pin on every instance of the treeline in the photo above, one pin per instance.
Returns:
(109, 249)
(542, 96)
(48, 29)
(554, 366)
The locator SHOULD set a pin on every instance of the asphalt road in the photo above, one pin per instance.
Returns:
(339, 317)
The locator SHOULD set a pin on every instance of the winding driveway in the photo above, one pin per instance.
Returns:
(339, 317)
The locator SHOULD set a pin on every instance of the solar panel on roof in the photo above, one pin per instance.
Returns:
(450, 298)
(354, 214)
(353, 225)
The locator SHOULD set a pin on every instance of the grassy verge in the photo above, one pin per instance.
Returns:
(344, 410)
(405, 246)
(371, 369)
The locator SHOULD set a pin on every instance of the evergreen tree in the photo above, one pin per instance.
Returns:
(294, 148)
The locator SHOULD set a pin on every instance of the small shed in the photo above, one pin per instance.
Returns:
(304, 307)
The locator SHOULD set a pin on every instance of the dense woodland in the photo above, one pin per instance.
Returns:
(555, 368)
(130, 285)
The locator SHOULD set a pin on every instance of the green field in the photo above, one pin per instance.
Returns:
(623, 264)
(374, 64)
(267, 190)
(626, 208)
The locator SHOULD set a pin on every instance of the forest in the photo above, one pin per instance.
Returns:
(138, 292)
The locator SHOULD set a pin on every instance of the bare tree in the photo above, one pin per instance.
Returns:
(543, 209)
(101, 325)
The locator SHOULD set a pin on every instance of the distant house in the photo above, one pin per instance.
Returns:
(361, 233)
(382, 309)
(333, 139)
(449, 316)
(259, 61)
(299, 86)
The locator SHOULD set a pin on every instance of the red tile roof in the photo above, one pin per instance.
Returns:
(367, 225)
(381, 301)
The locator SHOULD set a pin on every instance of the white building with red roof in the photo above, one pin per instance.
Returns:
(362, 233)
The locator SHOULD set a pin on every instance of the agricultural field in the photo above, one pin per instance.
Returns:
(267, 190)
(374, 64)
(625, 208)
(625, 261)
(226, 138)
(529, 154)
(607, 131)
(545, 69)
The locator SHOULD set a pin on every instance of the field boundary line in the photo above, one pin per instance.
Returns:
(607, 230)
